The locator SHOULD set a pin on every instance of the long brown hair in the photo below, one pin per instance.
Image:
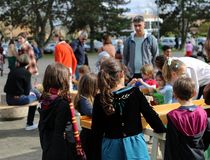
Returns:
(56, 76)
(108, 78)
(88, 87)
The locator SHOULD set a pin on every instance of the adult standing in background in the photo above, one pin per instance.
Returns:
(63, 52)
(108, 46)
(139, 48)
(12, 54)
(79, 51)
(25, 47)
(37, 50)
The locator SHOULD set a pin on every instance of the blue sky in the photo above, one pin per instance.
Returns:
(142, 6)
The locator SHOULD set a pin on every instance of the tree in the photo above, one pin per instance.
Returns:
(33, 14)
(97, 16)
(181, 15)
(37, 15)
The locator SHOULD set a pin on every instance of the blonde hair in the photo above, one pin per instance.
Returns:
(172, 65)
(60, 34)
(147, 69)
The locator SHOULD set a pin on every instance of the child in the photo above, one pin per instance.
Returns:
(82, 70)
(186, 125)
(116, 119)
(57, 115)
(164, 88)
(87, 90)
(101, 57)
(18, 89)
(194, 68)
(119, 51)
(189, 49)
(159, 62)
(147, 80)
(166, 51)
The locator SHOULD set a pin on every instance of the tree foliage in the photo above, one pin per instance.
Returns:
(38, 15)
(97, 16)
(33, 14)
(179, 16)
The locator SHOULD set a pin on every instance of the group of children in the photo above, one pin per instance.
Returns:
(116, 110)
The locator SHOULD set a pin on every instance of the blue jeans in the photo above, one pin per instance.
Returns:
(76, 76)
(23, 99)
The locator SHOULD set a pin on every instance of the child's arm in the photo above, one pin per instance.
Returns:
(145, 84)
(132, 82)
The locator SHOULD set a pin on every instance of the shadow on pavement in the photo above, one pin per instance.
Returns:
(27, 156)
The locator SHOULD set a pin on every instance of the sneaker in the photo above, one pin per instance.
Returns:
(31, 127)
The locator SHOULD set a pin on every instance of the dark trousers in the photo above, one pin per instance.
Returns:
(87, 141)
(200, 92)
(31, 114)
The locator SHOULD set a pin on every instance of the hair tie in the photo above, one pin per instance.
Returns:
(177, 66)
(169, 61)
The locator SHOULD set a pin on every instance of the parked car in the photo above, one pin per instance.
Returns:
(87, 46)
(97, 45)
(168, 41)
(200, 40)
(49, 49)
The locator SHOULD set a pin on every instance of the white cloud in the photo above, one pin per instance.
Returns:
(142, 6)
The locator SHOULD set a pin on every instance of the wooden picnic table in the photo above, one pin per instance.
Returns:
(158, 139)
(162, 111)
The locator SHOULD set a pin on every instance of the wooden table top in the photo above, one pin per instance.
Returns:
(162, 110)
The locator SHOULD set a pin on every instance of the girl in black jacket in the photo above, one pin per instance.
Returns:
(56, 125)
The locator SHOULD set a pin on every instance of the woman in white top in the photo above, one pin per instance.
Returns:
(196, 69)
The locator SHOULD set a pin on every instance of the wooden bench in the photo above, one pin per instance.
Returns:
(12, 112)
(158, 139)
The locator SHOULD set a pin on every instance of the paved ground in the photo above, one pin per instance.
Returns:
(15, 142)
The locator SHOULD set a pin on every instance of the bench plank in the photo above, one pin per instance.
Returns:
(5, 106)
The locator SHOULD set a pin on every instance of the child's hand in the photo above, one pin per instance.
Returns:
(140, 80)
(151, 90)
(132, 82)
